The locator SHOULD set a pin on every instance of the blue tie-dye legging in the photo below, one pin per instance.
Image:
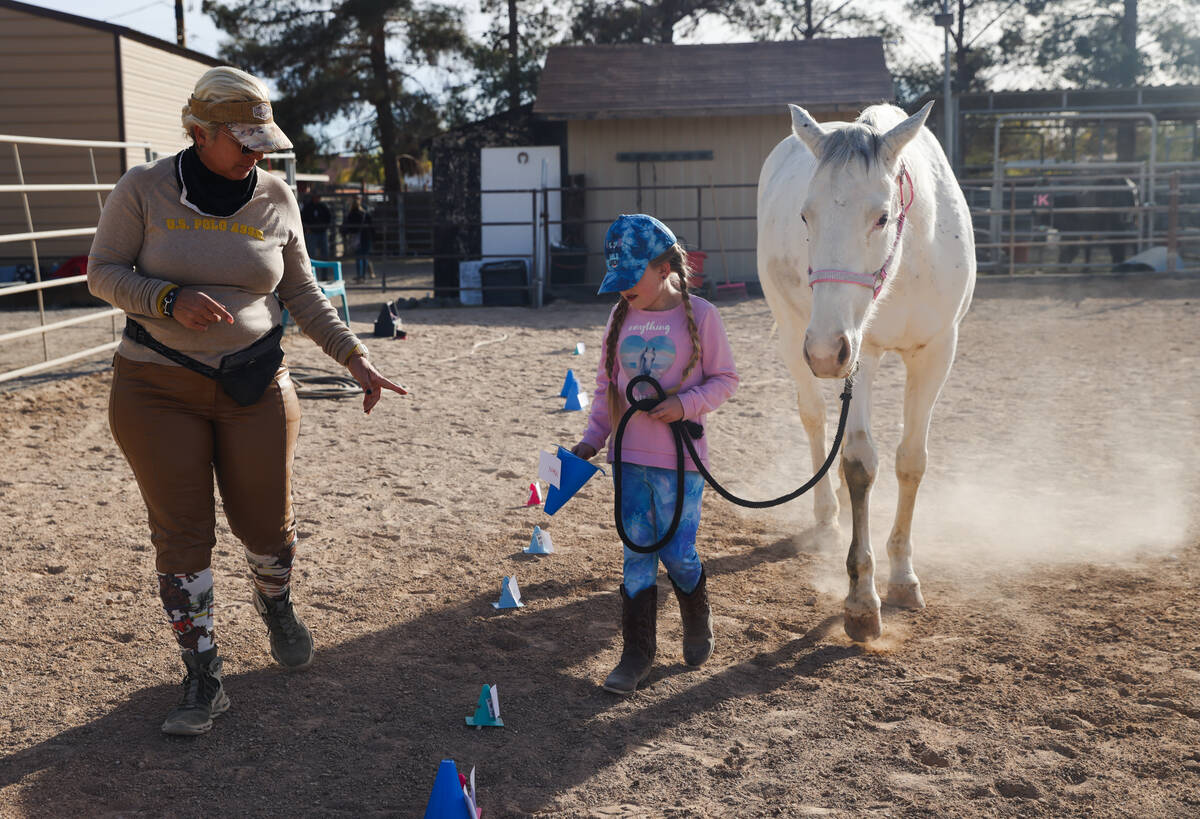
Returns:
(647, 507)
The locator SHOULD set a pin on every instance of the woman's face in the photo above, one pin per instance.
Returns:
(222, 154)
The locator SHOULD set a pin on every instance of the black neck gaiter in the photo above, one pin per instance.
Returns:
(209, 192)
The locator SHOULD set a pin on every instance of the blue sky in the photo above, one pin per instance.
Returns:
(153, 17)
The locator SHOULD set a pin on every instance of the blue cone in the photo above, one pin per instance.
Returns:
(575, 473)
(540, 543)
(510, 595)
(570, 385)
(447, 801)
(575, 401)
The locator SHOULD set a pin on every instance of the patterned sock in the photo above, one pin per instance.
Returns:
(272, 574)
(188, 601)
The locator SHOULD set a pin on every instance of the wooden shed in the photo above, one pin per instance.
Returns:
(71, 77)
(682, 130)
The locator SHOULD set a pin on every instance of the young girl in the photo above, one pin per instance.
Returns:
(657, 329)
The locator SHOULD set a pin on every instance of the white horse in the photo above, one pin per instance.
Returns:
(865, 245)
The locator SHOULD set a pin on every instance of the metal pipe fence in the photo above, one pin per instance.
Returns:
(32, 235)
(1079, 218)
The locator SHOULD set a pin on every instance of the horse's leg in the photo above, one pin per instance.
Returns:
(927, 369)
(812, 414)
(859, 463)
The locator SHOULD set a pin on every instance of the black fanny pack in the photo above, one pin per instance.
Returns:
(243, 375)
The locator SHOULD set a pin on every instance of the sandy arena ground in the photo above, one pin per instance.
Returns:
(1056, 670)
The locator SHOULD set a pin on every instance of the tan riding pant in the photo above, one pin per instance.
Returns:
(177, 429)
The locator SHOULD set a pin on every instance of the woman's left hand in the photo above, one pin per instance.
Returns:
(668, 411)
(371, 381)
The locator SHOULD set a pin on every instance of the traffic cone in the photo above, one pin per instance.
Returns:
(487, 710)
(540, 543)
(535, 495)
(576, 401)
(575, 473)
(447, 800)
(510, 595)
(570, 385)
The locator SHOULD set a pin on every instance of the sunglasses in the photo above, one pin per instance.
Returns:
(245, 150)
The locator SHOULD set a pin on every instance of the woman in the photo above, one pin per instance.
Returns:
(195, 248)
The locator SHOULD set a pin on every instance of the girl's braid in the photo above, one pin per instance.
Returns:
(682, 271)
(615, 404)
(693, 334)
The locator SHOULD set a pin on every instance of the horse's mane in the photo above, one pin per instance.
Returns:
(860, 139)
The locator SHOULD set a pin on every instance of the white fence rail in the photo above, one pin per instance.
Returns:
(32, 235)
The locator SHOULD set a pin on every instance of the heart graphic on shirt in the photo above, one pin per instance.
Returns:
(646, 356)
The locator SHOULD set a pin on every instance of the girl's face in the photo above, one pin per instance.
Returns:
(652, 292)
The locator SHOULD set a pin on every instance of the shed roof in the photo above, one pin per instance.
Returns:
(639, 80)
(100, 25)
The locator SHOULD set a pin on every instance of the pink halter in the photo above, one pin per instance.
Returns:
(872, 280)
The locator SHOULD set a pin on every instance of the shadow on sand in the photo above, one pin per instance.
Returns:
(361, 732)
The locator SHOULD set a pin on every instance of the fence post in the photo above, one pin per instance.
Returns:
(699, 220)
(1012, 227)
(533, 246)
(544, 275)
(1173, 224)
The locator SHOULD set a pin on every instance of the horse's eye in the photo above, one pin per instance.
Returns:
(881, 221)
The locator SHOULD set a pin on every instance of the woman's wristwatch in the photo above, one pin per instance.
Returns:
(168, 303)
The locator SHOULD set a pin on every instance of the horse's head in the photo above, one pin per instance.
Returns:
(853, 212)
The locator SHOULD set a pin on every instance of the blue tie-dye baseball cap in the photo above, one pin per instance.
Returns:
(633, 240)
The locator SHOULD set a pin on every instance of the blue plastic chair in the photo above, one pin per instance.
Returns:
(336, 287)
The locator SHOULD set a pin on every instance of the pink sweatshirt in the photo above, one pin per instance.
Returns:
(658, 343)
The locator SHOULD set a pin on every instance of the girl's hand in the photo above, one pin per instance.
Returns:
(195, 311)
(371, 381)
(582, 450)
(668, 411)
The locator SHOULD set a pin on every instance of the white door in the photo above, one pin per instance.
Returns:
(519, 169)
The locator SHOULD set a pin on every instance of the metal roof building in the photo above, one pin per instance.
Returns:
(672, 124)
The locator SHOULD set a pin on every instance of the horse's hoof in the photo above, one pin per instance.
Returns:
(863, 628)
(905, 596)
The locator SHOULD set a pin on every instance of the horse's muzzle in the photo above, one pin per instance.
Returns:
(830, 358)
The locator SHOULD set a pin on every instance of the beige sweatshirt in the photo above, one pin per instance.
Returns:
(148, 240)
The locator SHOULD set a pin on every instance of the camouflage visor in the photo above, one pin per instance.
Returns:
(250, 122)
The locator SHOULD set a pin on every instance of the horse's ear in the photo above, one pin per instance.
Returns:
(893, 141)
(807, 129)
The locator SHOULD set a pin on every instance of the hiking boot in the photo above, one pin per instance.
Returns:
(291, 641)
(203, 696)
(639, 619)
(697, 622)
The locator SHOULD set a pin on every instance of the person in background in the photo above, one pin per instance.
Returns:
(317, 220)
(195, 248)
(358, 235)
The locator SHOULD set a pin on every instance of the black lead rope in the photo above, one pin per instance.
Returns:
(684, 432)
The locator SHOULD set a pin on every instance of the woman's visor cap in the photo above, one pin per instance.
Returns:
(250, 121)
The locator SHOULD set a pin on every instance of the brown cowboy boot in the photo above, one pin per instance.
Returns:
(697, 621)
(639, 619)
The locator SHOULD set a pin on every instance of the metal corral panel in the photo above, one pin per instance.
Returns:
(59, 81)
(738, 144)
(157, 84)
